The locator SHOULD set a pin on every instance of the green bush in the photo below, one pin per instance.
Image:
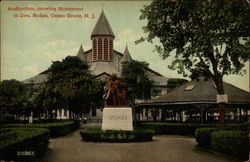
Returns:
(237, 127)
(188, 129)
(234, 143)
(174, 128)
(56, 129)
(203, 136)
(23, 143)
(97, 135)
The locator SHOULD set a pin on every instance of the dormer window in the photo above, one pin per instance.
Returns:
(189, 88)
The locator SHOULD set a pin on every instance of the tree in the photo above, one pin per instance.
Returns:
(13, 98)
(37, 100)
(71, 85)
(209, 37)
(175, 82)
(134, 73)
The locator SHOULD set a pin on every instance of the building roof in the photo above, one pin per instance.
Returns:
(102, 27)
(153, 72)
(202, 91)
(80, 53)
(38, 79)
(159, 80)
(98, 68)
(126, 56)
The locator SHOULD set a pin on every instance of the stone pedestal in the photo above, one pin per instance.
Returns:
(117, 118)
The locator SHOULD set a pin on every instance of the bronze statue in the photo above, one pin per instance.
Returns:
(115, 92)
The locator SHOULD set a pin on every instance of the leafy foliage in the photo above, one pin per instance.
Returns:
(55, 129)
(234, 143)
(209, 38)
(175, 128)
(203, 136)
(13, 98)
(16, 141)
(134, 73)
(70, 85)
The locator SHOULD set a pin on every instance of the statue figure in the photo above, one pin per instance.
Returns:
(115, 92)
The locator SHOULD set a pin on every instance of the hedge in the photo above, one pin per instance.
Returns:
(234, 143)
(98, 135)
(236, 127)
(203, 136)
(56, 129)
(187, 129)
(23, 144)
(174, 128)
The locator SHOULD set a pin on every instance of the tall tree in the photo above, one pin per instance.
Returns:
(13, 98)
(71, 85)
(205, 37)
(134, 73)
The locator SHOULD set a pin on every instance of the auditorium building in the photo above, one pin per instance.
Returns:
(104, 61)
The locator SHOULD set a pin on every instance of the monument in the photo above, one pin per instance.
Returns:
(117, 115)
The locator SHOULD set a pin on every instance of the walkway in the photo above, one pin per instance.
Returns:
(162, 149)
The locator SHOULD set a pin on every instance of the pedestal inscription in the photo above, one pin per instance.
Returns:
(117, 119)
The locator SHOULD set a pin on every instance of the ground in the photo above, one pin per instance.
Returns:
(161, 149)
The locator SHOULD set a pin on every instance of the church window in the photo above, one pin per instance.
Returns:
(110, 49)
(94, 50)
(189, 88)
(105, 49)
(99, 49)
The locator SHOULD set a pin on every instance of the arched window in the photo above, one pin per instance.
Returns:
(106, 52)
(100, 49)
(110, 49)
(94, 50)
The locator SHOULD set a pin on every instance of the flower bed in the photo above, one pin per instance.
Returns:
(98, 135)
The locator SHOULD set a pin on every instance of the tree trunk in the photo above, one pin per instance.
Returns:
(217, 77)
(221, 106)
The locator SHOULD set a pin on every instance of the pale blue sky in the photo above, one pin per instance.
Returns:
(29, 45)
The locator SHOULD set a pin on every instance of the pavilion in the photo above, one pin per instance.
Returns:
(197, 96)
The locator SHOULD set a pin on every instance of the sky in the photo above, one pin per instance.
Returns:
(30, 44)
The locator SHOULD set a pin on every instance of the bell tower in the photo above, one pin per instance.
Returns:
(102, 40)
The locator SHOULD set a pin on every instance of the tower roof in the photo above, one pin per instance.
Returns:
(126, 57)
(102, 27)
(80, 53)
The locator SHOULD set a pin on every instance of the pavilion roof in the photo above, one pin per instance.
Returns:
(202, 91)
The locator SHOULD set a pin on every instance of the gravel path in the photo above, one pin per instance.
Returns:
(162, 149)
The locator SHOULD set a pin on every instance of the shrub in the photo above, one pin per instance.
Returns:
(174, 128)
(203, 136)
(187, 128)
(235, 143)
(56, 129)
(237, 127)
(23, 143)
(97, 135)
